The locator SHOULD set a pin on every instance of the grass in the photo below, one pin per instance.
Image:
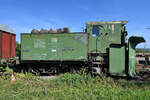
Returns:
(75, 86)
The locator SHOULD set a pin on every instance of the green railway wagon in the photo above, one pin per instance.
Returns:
(54, 47)
(102, 48)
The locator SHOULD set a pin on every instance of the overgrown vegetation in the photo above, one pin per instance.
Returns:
(75, 86)
(18, 49)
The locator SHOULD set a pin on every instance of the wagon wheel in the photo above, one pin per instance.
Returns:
(33, 71)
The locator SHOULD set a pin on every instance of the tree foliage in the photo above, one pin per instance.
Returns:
(18, 49)
(142, 50)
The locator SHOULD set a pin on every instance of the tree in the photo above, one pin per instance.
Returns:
(18, 49)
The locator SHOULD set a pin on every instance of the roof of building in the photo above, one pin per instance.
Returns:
(109, 22)
(6, 28)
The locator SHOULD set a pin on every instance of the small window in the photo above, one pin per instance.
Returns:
(95, 30)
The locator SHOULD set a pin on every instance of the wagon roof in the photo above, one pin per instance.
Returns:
(109, 22)
(6, 28)
(57, 33)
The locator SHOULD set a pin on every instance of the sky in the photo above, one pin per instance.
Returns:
(24, 15)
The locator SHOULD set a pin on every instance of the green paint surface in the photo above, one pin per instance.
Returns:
(133, 41)
(56, 46)
(117, 60)
(109, 33)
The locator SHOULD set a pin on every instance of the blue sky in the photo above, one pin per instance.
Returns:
(24, 15)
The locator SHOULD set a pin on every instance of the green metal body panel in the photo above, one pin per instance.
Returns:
(117, 60)
(133, 41)
(109, 33)
(56, 46)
